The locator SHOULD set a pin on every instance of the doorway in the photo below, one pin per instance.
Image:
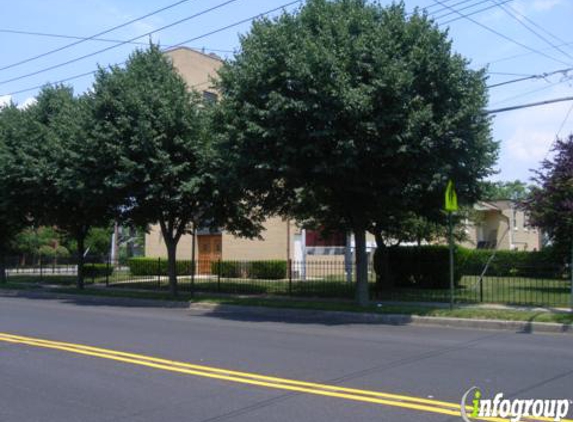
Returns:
(210, 247)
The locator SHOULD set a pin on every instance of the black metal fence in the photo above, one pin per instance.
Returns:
(319, 277)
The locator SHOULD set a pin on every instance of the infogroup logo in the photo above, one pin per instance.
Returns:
(514, 409)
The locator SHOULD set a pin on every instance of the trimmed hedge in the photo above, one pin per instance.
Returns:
(542, 263)
(97, 270)
(425, 267)
(262, 270)
(229, 269)
(267, 270)
(154, 266)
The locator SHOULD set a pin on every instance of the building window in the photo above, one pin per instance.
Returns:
(514, 212)
(526, 223)
(210, 97)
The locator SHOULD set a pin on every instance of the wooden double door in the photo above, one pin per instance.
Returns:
(210, 248)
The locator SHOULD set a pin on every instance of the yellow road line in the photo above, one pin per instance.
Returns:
(241, 374)
(409, 402)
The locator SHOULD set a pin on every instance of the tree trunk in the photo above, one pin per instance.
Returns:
(3, 277)
(384, 278)
(172, 265)
(362, 291)
(80, 239)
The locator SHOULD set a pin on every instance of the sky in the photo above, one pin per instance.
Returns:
(510, 38)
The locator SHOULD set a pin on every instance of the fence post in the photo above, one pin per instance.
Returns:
(290, 277)
(481, 289)
(108, 264)
(571, 275)
(41, 269)
(159, 273)
(451, 242)
(193, 277)
(219, 276)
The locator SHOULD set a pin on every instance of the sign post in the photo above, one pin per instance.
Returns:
(451, 205)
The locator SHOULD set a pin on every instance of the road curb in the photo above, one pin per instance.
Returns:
(341, 317)
(100, 300)
(303, 315)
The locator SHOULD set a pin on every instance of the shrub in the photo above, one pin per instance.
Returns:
(425, 267)
(229, 269)
(97, 270)
(510, 263)
(49, 252)
(156, 266)
(267, 270)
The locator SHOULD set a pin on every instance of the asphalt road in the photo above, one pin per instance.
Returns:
(39, 383)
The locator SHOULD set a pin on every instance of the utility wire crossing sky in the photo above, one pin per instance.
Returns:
(525, 46)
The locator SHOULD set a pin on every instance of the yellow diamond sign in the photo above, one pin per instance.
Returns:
(451, 198)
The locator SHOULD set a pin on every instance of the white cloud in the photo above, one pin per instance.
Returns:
(529, 146)
(543, 5)
(527, 135)
(27, 103)
(5, 100)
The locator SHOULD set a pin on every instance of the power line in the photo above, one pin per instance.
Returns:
(509, 74)
(524, 94)
(499, 34)
(540, 27)
(539, 76)
(120, 43)
(537, 34)
(81, 75)
(516, 56)
(455, 10)
(558, 132)
(107, 40)
(99, 34)
(564, 121)
(85, 56)
(536, 104)
(475, 12)
(431, 6)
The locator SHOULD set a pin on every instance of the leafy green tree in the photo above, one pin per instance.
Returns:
(354, 116)
(17, 175)
(98, 242)
(550, 203)
(30, 240)
(166, 167)
(513, 190)
(74, 171)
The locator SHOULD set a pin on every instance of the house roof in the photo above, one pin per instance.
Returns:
(212, 56)
(487, 206)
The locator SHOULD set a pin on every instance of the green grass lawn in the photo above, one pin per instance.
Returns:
(402, 309)
(63, 280)
(503, 290)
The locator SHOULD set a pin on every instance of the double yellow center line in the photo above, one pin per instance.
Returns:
(387, 399)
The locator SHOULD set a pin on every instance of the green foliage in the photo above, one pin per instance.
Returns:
(48, 251)
(17, 174)
(97, 270)
(425, 267)
(267, 270)
(544, 263)
(30, 240)
(165, 163)
(550, 204)
(98, 241)
(353, 116)
(515, 190)
(156, 266)
(72, 170)
(228, 269)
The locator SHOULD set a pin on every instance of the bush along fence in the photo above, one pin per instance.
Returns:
(413, 274)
